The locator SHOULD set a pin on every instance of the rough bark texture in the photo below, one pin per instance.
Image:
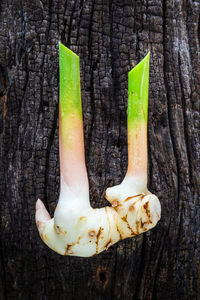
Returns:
(110, 37)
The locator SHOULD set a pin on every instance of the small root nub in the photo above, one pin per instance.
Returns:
(115, 203)
(92, 233)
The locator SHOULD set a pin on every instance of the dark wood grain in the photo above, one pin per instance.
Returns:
(110, 37)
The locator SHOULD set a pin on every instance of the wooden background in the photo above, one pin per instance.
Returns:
(110, 37)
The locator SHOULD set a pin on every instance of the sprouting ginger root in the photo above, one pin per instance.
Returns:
(77, 229)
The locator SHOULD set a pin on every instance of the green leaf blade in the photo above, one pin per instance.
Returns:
(70, 90)
(138, 85)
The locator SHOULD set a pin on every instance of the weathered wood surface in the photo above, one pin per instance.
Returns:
(110, 37)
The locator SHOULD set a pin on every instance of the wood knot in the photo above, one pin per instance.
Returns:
(102, 276)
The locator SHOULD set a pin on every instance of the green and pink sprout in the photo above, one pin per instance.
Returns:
(77, 229)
